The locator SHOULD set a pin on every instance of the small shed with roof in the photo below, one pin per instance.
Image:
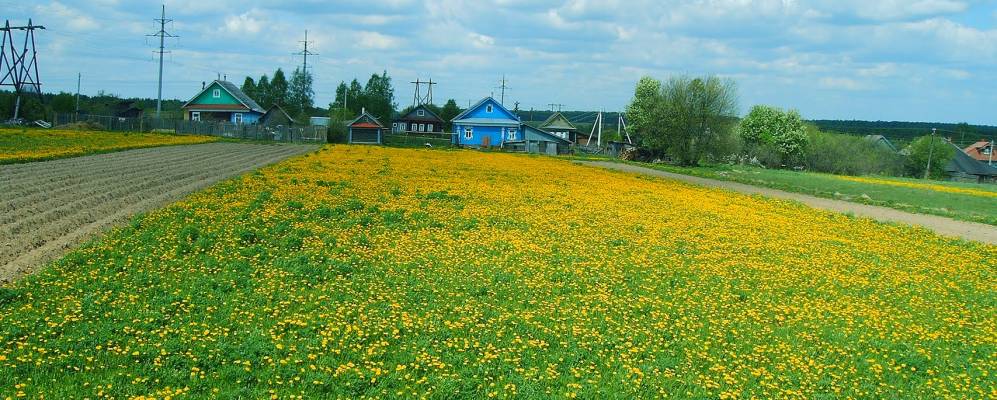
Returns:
(365, 129)
(965, 168)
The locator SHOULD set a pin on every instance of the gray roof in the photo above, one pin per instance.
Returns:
(487, 121)
(531, 131)
(962, 162)
(429, 116)
(239, 94)
(558, 121)
(368, 117)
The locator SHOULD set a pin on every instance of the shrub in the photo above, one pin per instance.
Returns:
(836, 153)
(921, 149)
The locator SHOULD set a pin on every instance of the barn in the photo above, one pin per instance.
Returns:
(365, 129)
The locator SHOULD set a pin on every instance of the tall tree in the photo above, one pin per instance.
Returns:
(355, 97)
(937, 149)
(449, 112)
(263, 92)
(379, 96)
(249, 88)
(279, 88)
(688, 116)
(301, 96)
(340, 100)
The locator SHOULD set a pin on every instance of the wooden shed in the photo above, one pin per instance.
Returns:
(538, 141)
(365, 129)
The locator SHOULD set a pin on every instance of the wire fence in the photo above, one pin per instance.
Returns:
(277, 133)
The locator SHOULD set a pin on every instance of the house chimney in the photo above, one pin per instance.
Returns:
(363, 110)
(203, 84)
(224, 77)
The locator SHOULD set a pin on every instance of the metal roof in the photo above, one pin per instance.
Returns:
(558, 121)
(963, 162)
(233, 90)
(487, 121)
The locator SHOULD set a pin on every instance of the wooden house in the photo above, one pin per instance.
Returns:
(982, 151)
(485, 124)
(965, 168)
(418, 120)
(365, 129)
(539, 141)
(881, 142)
(558, 125)
(222, 101)
(276, 116)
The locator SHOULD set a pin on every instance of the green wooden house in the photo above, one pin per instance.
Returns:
(222, 101)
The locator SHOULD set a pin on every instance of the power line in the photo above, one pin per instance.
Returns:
(162, 35)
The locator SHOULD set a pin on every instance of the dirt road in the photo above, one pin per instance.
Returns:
(944, 226)
(47, 207)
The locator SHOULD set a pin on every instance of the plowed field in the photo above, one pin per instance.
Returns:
(45, 207)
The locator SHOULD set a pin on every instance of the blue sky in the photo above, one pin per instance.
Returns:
(918, 60)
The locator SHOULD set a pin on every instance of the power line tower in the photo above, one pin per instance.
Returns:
(429, 93)
(162, 35)
(558, 105)
(304, 53)
(417, 98)
(16, 69)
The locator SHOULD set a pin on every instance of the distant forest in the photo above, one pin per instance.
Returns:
(962, 134)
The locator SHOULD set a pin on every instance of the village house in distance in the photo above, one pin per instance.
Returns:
(419, 119)
(222, 101)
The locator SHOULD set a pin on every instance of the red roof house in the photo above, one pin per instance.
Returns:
(982, 151)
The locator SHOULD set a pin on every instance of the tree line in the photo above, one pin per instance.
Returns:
(693, 120)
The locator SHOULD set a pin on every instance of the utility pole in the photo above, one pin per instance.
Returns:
(15, 69)
(162, 34)
(552, 105)
(531, 113)
(79, 78)
(503, 87)
(931, 152)
(991, 162)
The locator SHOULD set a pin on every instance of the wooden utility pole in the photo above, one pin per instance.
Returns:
(931, 152)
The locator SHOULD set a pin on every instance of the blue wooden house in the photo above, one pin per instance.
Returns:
(486, 124)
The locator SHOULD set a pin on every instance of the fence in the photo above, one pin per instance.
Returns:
(279, 133)
(418, 139)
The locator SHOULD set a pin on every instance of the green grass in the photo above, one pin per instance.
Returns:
(959, 206)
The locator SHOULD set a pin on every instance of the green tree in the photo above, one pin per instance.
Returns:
(301, 96)
(249, 88)
(63, 103)
(449, 111)
(341, 91)
(642, 113)
(688, 118)
(767, 127)
(263, 92)
(338, 117)
(938, 149)
(278, 92)
(379, 97)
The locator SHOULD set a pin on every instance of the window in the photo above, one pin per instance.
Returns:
(468, 132)
(394, 127)
(512, 134)
(422, 127)
(429, 128)
(488, 109)
(195, 116)
(216, 93)
(420, 112)
(237, 118)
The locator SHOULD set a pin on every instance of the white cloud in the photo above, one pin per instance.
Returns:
(67, 16)
(842, 84)
(245, 23)
(376, 41)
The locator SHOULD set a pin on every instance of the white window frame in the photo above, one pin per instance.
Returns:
(237, 117)
(217, 93)
(489, 108)
(511, 133)
(195, 115)
(420, 112)
(468, 132)
(422, 127)
(429, 128)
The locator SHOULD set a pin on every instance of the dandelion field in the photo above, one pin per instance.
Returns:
(24, 145)
(370, 272)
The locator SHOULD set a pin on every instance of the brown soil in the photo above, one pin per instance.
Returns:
(48, 207)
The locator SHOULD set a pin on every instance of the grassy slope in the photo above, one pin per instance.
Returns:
(365, 271)
(959, 206)
(26, 145)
